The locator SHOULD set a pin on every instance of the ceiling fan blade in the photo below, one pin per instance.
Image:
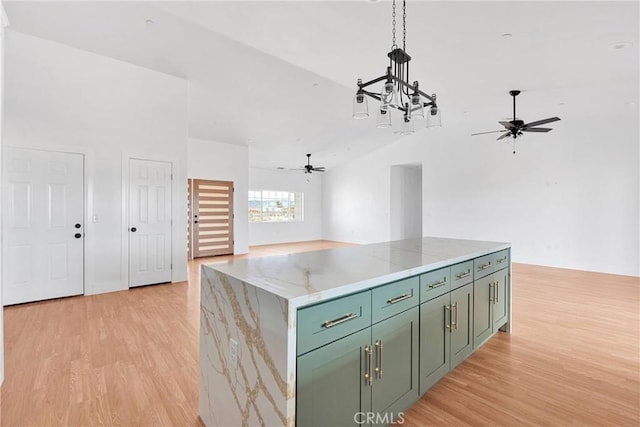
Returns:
(507, 134)
(493, 131)
(320, 169)
(303, 169)
(536, 129)
(541, 122)
(508, 125)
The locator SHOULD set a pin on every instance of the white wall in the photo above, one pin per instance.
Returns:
(3, 23)
(224, 162)
(297, 231)
(62, 98)
(568, 198)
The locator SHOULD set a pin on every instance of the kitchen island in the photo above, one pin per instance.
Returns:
(264, 319)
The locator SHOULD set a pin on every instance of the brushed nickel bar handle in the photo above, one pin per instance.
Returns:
(368, 377)
(491, 299)
(447, 317)
(497, 291)
(456, 316)
(465, 274)
(331, 323)
(398, 299)
(501, 260)
(438, 284)
(484, 266)
(379, 357)
(453, 322)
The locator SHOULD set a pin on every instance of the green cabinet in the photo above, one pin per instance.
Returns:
(491, 304)
(394, 387)
(435, 283)
(435, 337)
(331, 387)
(501, 299)
(374, 370)
(446, 334)
(482, 309)
(461, 324)
(370, 355)
(328, 321)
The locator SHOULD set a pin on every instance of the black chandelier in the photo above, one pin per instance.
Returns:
(397, 93)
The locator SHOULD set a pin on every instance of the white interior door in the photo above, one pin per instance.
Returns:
(43, 225)
(149, 222)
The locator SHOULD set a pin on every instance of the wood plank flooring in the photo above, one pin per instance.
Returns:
(131, 357)
(573, 358)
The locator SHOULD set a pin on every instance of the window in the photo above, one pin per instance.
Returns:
(275, 206)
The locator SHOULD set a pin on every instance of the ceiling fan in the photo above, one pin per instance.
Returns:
(515, 127)
(309, 168)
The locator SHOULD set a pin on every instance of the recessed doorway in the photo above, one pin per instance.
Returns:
(406, 201)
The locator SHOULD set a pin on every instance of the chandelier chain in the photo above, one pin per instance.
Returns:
(404, 25)
(393, 26)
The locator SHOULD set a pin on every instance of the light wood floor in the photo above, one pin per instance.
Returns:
(131, 357)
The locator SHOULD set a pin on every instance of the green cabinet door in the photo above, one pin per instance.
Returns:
(331, 384)
(395, 378)
(461, 324)
(490, 305)
(435, 320)
(501, 299)
(482, 309)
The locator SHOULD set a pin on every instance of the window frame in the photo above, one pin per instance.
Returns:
(293, 211)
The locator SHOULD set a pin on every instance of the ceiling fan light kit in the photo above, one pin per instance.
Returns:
(397, 93)
(516, 127)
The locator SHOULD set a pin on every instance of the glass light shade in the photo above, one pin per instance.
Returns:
(417, 108)
(360, 106)
(434, 118)
(406, 127)
(384, 118)
(388, 95)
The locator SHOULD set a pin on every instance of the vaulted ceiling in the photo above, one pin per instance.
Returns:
(279, 76)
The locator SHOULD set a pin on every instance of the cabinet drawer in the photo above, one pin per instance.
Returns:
(435, 283)
(483, 266)
(461, 274)
(323, 323)
(394, 298)
(501, 260)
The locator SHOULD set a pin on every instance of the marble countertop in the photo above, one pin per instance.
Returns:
(308, 277)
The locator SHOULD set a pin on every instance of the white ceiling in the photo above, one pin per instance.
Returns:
(279, 76)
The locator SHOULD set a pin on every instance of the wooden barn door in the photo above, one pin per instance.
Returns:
(211, 218)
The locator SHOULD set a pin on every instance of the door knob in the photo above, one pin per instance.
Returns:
(77, 235)
(133, 229)
(78, 226)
